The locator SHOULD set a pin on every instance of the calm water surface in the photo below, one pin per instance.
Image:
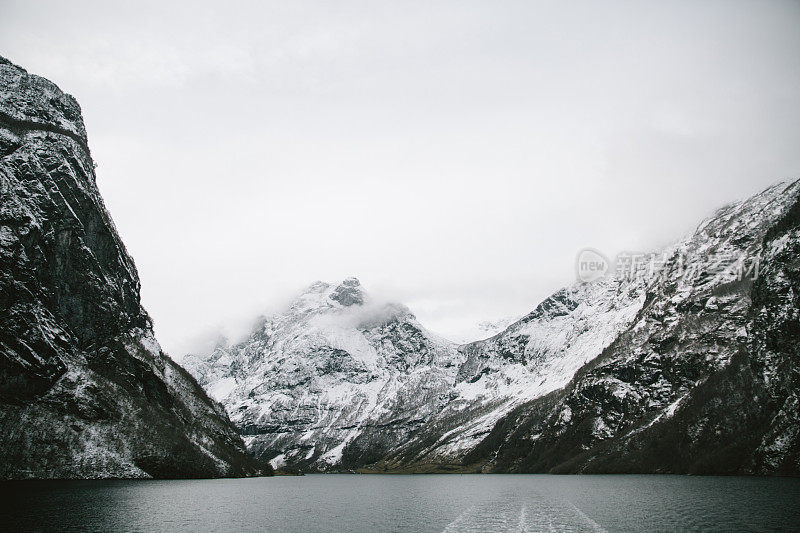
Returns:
(367, 503)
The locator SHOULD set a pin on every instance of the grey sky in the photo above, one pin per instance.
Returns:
(452, 155)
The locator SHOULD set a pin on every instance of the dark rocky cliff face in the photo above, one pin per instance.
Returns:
(85, 390)
(704, 382)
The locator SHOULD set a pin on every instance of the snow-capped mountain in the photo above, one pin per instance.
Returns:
(594, 379)
(704, 380)
(332, 366)
(340, 381)
(535, 356)
(85, 390)
(687, 362)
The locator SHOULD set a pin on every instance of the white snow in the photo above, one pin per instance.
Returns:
(278, 462)
(219, 390)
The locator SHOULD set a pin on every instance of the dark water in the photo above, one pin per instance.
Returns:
(367, 503)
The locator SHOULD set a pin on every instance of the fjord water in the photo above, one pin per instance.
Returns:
(368, 503)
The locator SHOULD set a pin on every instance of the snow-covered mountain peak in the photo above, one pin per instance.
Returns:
(321, 296)
(315, 375)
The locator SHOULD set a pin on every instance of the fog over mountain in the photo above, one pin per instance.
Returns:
(246, 149)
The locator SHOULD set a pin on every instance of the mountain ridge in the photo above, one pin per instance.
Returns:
(535, 365)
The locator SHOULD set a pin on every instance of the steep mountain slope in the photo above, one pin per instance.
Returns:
(538, 354)
(704, 381)
(85, 390)
(333, 366)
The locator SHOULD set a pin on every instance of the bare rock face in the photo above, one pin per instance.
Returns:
(703, 381)
(348, 293)
(85, 390)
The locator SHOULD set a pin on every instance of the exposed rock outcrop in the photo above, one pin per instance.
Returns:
(85, 389)
(704, 380)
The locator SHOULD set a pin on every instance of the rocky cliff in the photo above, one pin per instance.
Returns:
(703, 381)
(85, 390)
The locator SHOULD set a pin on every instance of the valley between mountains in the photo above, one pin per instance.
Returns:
(687, 363)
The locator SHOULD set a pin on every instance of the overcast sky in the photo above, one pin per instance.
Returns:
(455, 156)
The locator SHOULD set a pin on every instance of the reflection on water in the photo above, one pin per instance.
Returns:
(408, 503)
